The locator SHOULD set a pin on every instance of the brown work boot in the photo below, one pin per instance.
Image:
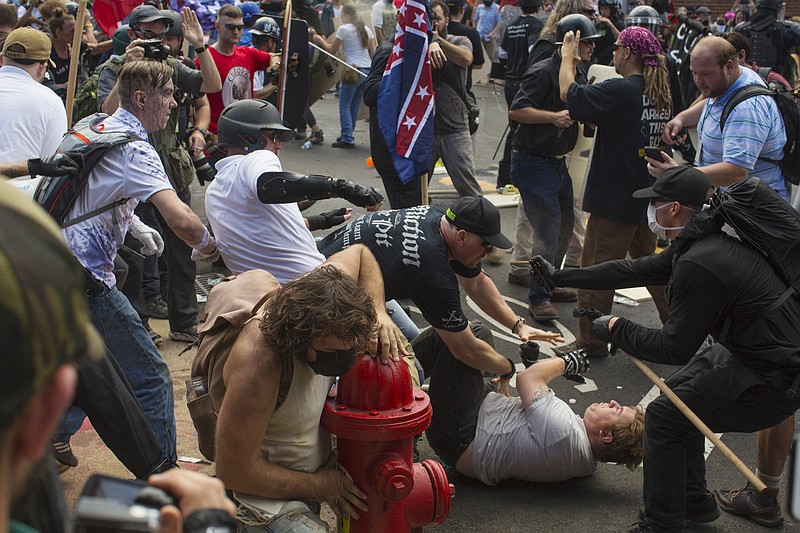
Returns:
(543, 311)
(563, 294)
(748, 502)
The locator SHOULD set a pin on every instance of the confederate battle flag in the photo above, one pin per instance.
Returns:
(405, 100)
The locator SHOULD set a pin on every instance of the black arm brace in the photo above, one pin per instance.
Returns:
(286, 187)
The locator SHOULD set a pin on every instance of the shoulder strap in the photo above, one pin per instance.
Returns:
(742, 94)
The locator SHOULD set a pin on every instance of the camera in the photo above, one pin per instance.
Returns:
(202, 167)
(155, 49)
(119, 505)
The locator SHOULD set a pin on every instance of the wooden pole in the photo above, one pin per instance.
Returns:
(424, 186)
(285, 57)
(699, 424)
(75, 59)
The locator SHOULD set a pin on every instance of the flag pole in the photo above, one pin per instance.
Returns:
(424, 186)
(75, 59)
(285, 59)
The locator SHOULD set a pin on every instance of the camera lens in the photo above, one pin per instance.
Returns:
(202, 167)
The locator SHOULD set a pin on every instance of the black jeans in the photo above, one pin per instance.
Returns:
(504, 167)
(456, 391)
(177, 274)
(728, 397)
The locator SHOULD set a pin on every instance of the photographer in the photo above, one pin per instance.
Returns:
(47, 303)
(177, 146)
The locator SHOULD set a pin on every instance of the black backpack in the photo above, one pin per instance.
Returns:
(789, 107)
(767, 222)
(86, 143)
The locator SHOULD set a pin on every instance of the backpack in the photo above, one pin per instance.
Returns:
(85, 102)
(86, 144)
(231, 304)
(768, 223)
(789, 107)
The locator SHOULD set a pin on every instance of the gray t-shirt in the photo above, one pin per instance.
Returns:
(451, 111)
(546, 442)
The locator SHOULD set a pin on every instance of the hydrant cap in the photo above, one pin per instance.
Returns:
(371, 385)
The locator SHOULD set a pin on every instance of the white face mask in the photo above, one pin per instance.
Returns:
(655, 227)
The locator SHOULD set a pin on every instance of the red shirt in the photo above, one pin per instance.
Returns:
(236, 71)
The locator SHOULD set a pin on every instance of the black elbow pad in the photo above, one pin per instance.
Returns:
(287, 187)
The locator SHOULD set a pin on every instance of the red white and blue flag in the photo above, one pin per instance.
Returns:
(405, 100)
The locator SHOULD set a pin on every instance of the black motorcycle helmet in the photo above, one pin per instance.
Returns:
(573, 23)
(241, 123)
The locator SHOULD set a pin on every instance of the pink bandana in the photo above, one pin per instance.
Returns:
(643, 43)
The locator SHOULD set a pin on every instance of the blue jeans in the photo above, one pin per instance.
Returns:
(350, 97)
(545, 188)
(146, 370)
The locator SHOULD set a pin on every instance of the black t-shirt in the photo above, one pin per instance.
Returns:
(627, 122)
(540, 89)
(413, 260)
(519, 38)
(61, 70)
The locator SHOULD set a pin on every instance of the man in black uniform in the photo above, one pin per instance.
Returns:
(609, 24)
(518, 40)
(426, 255)
(545, 134)
(721, 286)
(771, 40)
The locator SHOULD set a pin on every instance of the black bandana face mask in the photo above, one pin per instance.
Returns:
(333, 363)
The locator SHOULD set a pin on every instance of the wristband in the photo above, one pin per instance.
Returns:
(205, 520)
(203, 242)
(200, 50)
(513, 370)
(519, 321)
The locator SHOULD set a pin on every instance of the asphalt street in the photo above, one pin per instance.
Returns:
(606, 502)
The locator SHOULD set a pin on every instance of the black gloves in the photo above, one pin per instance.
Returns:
(356, 194)
(529, 353)
(600, 328)
(327, 220)
(575, 364)
(543, 272)
(53, 165)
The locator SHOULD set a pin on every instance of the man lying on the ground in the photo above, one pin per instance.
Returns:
(536, 437)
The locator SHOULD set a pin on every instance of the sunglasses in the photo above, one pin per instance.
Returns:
(588, 12)
(147, 34)
(617, 45)
(234, 27)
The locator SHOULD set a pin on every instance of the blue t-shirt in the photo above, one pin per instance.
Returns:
(754, 128)
(487, 18)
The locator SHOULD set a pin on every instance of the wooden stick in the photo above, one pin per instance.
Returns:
(424, 186)
(75, 59)
(699, 424)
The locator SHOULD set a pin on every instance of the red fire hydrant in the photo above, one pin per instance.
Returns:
(375, 414)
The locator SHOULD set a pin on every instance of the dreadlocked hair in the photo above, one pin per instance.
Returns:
(656, 85)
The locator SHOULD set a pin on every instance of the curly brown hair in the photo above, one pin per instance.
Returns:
(323, 302)
(626, 445)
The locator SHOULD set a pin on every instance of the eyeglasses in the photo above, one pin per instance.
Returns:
(274, 136)
(234, 27)
(147, 34)
(588, 12)
(486, 244)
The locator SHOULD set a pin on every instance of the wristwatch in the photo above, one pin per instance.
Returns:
(200, 50)
(517, 324)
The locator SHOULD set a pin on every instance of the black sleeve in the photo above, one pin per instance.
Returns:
(651, 270)
(541, 50)
(598, 104)
(533, 90)
(373, 84)
(697, 301)
(478, 58)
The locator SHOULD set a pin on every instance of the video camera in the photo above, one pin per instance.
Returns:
(110, 504)
(155, 49)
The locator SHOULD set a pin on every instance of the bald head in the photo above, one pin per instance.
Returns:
(717, 48)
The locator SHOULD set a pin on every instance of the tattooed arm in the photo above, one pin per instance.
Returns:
(532, 382)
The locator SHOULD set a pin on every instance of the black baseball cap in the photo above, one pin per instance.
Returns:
(147, 13)
(455, 4)
(478, 215)
(683, 184)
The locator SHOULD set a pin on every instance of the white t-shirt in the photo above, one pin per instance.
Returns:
(355, 52)
(34, 119)
(546, 442)
(251, 235)
(379, 9)
(132, 170)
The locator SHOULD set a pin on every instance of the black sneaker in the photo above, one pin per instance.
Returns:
(300, 134)
(157, 308)
(62, 453)
(316, 137)
(189, 335)
(518, 278)
(746, 502)
(341, 144)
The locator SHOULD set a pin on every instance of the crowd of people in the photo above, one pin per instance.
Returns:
(191, 90)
